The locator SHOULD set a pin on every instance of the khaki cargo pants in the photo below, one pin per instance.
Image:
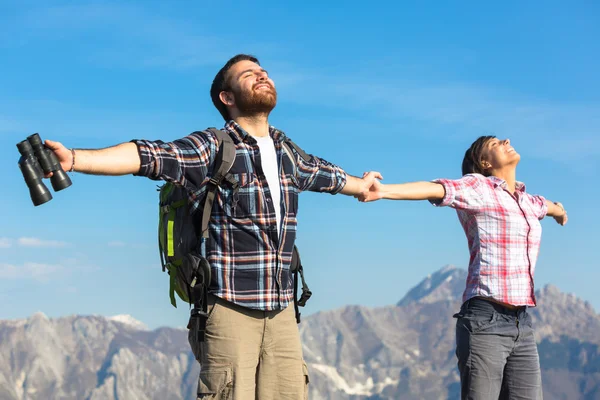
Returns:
(250, 354)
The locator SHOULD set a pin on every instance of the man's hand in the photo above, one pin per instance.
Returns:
(561, 218)
(371, 187)
(64, 155)
(360, 186)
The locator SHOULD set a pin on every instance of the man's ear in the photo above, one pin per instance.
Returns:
(227, 98)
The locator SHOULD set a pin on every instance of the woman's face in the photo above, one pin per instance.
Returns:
(498, 154)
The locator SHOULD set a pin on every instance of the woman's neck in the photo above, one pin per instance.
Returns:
(509, 175)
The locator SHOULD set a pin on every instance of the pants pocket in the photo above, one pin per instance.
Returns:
(479, 323)
(306, 380)
(216, 383)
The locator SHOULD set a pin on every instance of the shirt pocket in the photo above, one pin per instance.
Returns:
(240, 201)
(290, 192)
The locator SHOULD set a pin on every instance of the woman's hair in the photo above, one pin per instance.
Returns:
(472, 162)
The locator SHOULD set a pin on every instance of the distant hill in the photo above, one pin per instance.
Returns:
(403, 351)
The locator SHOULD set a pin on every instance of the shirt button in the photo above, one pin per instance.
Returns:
(268, 200)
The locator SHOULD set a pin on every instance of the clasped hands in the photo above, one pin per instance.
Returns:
(371, 188)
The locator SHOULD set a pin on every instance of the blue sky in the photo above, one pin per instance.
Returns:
(400, 88)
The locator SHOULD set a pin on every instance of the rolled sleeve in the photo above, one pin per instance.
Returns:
(318, 175)
(449, 195)
(540, 207)
(462, 194)
(147, 159)
(340, 180)
(184, 161)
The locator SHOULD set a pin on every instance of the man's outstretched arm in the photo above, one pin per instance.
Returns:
(184, 161)
(122, 159)
(318, 175)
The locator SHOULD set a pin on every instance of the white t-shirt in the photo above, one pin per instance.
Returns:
(268, 157)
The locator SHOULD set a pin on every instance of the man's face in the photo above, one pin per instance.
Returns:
(253, 91)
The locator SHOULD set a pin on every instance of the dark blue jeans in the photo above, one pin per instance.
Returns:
(496, 351)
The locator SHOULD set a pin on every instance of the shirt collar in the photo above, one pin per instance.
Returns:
(498, 182)
(239, 134)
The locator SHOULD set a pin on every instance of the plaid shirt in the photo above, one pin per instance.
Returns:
(503, 233)
(249, 260)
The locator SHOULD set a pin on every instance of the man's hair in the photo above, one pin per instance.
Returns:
(472, 161)
(221, 82)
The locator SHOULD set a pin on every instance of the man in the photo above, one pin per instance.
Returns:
(251, 346)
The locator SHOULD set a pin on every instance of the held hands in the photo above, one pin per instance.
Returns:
(562, 218)
(372, 187)
(64, 155)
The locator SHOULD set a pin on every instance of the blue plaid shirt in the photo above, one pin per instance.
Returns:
(249, 261)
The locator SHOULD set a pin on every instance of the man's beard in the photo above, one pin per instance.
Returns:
(255, 102)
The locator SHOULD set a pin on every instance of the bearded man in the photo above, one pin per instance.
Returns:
(251, 347)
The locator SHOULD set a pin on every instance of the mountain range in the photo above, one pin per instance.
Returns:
(401, 351)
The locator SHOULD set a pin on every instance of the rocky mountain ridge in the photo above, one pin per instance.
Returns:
(402, 351)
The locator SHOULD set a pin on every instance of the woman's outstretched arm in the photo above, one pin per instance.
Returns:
(466, 193)
(405, 191)
(557, 211)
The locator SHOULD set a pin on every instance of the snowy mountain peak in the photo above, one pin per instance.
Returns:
(128, 320)
(447, 283)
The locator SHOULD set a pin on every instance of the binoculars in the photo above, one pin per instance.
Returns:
(37, 160)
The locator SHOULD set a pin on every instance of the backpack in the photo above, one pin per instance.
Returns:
(181, 233)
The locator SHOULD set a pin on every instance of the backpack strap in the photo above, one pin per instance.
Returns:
(301, 152)
(288, 145)
(199, 294)
(223, 162)
(296, 265)
(296, 268)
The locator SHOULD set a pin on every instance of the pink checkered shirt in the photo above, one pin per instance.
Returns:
(503, 232)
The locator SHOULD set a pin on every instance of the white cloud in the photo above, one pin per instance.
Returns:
(35, 271)
(43, 272)
(5, 243)
(36, 242)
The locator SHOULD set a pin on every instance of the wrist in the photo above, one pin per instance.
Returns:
(561, 209)
(72, 169)
(384, 191)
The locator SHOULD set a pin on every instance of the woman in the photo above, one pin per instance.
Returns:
(495, 344)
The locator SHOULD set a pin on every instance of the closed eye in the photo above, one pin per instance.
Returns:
(250, 72)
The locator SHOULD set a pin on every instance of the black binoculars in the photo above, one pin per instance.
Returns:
(37, 160)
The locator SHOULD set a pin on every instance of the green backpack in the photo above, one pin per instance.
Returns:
(180, 233)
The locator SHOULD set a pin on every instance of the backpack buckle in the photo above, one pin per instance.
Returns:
(304, 297)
